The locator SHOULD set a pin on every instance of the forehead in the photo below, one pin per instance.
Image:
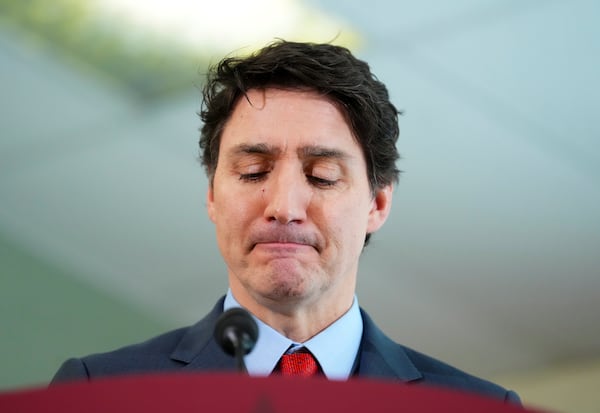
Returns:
(288, 118)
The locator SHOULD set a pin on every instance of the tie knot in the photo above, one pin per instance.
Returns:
(300, 363)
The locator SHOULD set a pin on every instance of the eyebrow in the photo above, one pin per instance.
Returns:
(322, 152)
(305, 152)
(258, 148)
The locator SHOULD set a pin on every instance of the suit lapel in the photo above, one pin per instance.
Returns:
(380, 357)
(198, 348)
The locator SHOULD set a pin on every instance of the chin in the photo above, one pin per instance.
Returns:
(285, 280)
(289, 287)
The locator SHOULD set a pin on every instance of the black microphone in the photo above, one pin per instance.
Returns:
(236, 332)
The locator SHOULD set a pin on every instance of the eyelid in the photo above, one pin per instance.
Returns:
(253, 176)
(324, 174)
(251, 163)
(326, 171)
(321, 182)
(252, 168)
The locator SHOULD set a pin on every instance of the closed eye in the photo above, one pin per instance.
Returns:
(320, 182)
(253, 177)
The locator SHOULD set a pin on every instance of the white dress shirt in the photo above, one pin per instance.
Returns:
(335, 348)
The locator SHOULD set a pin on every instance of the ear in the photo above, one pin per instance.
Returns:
(210, 203)
(380, 208)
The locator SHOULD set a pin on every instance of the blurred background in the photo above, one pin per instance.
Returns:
(490, 261)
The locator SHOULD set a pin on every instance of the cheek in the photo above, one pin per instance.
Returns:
(235, 213)
(231, 232)
(345, 228)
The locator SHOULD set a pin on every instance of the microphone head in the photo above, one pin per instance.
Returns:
(236, 327)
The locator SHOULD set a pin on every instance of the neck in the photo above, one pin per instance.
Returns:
(296, 318)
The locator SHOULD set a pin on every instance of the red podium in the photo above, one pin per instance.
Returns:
(183, 393)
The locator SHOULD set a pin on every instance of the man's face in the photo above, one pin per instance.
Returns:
(291, 202)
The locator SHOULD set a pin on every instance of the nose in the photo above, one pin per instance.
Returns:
(287, 195)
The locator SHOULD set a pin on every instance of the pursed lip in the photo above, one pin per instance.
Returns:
(282, 248)
(284, 240)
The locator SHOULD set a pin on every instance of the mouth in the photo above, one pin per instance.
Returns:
(284, 241)
(282, 248)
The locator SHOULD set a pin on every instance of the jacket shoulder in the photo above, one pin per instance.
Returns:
(151, 355)
(169, 351)
(439, 373)
(382, 357)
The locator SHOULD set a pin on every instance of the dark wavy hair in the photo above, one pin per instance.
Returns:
(325, 68)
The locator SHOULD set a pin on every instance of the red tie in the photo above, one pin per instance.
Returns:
(300, 364)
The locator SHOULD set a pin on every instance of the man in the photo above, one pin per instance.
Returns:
(299, 145)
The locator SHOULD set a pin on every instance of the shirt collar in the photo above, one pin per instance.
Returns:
(335, 348)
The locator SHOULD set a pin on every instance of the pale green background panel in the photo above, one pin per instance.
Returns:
(47, 316)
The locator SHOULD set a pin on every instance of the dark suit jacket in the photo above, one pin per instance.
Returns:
(194, 349)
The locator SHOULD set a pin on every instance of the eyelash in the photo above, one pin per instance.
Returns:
(253, 177)
(259, 176)
(320, 182)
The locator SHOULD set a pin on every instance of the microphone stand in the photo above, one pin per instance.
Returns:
(236, 332)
